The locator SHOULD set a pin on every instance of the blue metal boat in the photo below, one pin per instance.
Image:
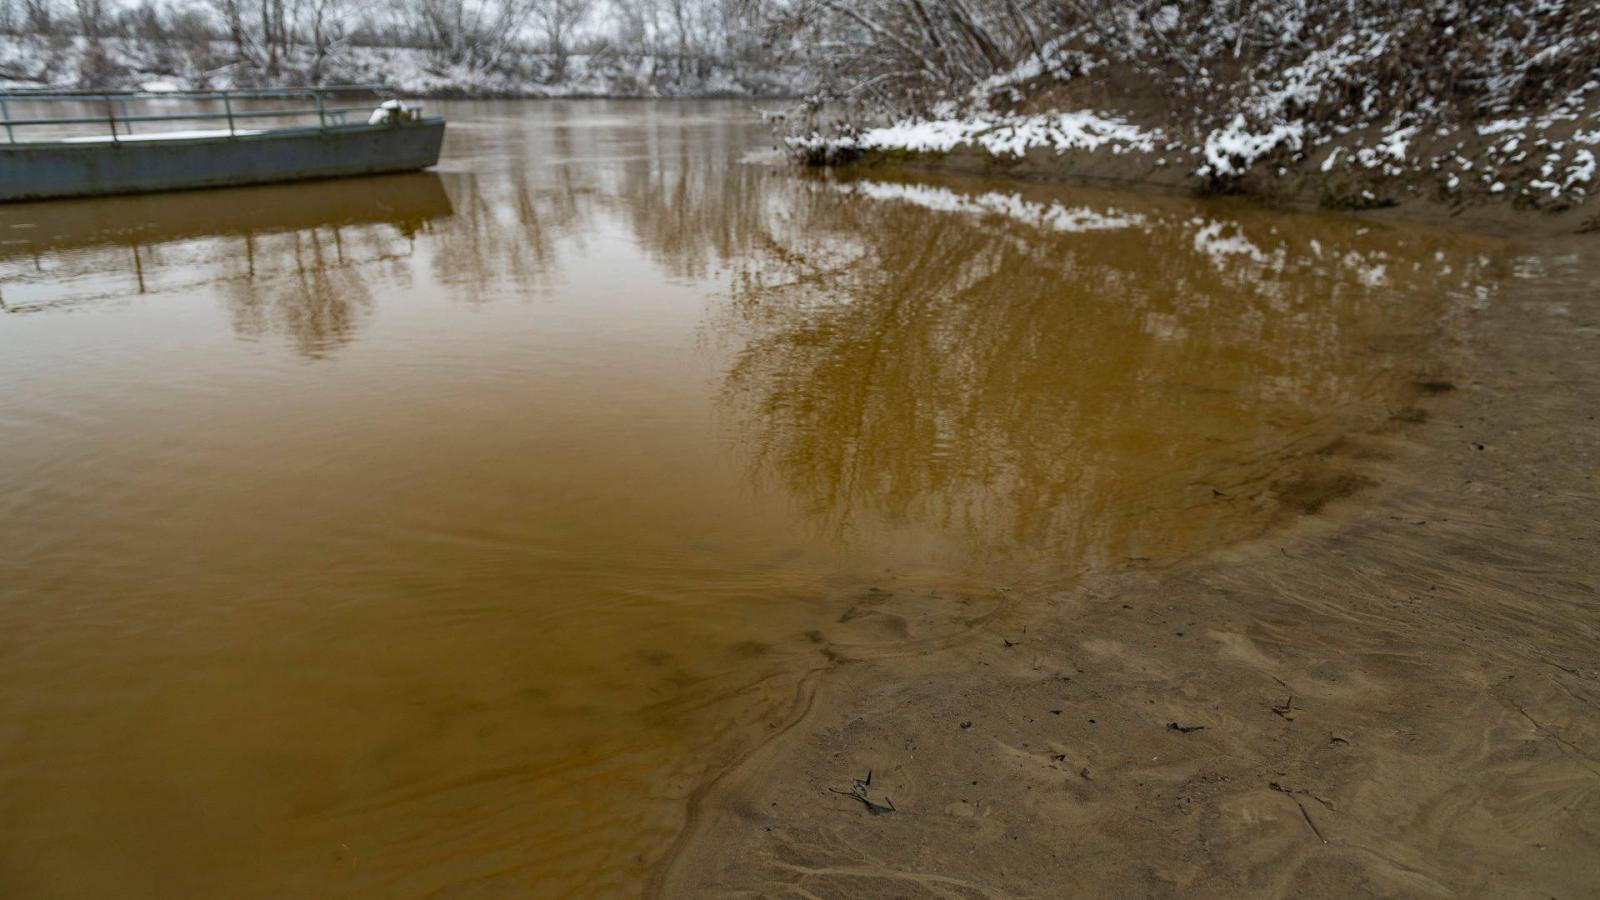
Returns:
(92, 144)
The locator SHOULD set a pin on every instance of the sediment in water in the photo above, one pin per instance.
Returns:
(1397, 693)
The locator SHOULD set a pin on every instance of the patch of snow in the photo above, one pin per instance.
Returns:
(393, 111)
(1001, 136)
(1582, 169)
(1081, 130)
(1231, 151)
(1502, 125)
(921, 137)
(1394, 145)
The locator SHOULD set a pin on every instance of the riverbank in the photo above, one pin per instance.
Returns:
(1487, 215)
(1461, 111)
(1390, 695)
(72, 63)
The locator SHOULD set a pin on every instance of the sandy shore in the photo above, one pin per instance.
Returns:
(1395, 696)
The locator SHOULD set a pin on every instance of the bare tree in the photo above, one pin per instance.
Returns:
(91, 17)
(325, 27)
(475, 33)
(558, 20)
(909, 51)
(38, 16)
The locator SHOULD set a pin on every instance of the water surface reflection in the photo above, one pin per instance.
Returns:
(440, 534)
(1075, 381)
(288, 259)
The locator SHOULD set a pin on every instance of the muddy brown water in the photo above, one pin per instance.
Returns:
(440, 534)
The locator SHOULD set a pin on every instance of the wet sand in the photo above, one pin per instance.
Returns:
(1393, 693)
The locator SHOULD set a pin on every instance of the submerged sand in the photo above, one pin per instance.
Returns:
(1393, 693)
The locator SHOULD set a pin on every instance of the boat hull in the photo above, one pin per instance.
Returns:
(35, 171)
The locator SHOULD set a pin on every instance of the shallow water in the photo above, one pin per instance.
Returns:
(440, 533)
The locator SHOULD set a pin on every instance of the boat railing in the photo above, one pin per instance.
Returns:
(119, 111)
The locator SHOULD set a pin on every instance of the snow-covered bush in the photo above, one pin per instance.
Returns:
(1355, 91)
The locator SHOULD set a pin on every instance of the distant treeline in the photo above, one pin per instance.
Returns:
(271, 41)
(894, 55)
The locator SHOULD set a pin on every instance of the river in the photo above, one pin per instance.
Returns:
(440, 534)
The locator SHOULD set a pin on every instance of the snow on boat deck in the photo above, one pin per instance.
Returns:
(159, 136)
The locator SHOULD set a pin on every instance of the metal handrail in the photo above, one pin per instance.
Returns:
(196, 117)
(77, 94)
(114, 99)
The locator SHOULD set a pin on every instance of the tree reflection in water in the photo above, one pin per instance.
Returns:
(318, 304)
(1034, 371)
(288, 260)
(1038, 370)
(1084, 382)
